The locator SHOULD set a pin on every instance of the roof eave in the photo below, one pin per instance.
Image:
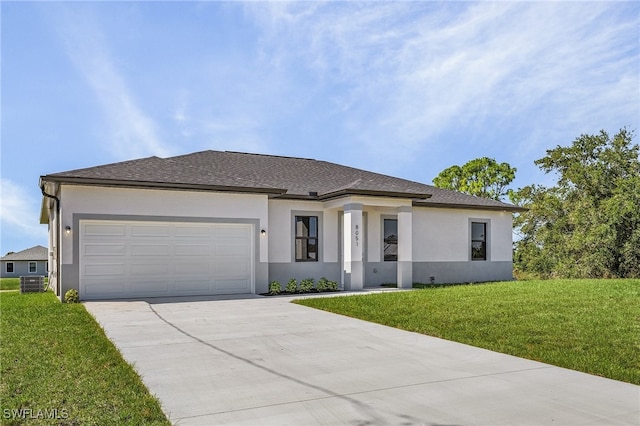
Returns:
(373, 193)
(506, 208)
(350, 192)
(159, 185)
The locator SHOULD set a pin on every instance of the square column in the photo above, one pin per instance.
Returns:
(353, 264)
(405, 247)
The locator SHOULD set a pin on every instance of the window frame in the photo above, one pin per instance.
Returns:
(35, 267)
(384, 219)
(485, 241)
(13, 268)
(307, 238)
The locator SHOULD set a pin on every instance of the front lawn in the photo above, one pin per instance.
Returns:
(586, 325)
(58, 367)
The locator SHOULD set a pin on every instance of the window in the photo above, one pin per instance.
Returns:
(390, 236)
(33, 267)
(478, 241)
(306, 238)
(9, 267)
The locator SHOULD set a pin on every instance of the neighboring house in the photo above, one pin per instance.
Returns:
(225, 222)
(32, 261)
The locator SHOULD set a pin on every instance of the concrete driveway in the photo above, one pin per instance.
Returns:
(257, 360)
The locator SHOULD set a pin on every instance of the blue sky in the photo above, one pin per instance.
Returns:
(401, 88)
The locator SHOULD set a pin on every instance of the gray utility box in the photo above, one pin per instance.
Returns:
(31, 284)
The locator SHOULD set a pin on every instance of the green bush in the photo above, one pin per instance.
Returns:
(306, 285)
(292, 286)
(323, 284)
(71, 296)
(275, 287)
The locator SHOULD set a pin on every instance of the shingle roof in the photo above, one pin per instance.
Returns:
(285, 177)
(33, 253)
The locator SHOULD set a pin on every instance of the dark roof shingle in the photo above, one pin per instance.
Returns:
(33, 253)
(286, 177)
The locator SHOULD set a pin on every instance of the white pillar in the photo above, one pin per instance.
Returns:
(405, 248)
(352, 242)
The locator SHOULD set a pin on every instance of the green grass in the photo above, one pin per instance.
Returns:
(56, 361)
(9, 283)
(14, 283)
(586, 325)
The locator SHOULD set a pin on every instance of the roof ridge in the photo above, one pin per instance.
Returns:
(257, 154)
(271, 155)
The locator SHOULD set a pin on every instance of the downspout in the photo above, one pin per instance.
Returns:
(57, 265)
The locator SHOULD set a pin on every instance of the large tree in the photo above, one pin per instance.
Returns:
(588, 224)
(482, 177)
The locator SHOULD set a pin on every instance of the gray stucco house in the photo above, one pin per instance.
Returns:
(32, 261)
(217, 222)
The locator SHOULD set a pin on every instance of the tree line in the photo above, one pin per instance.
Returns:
(587, 225)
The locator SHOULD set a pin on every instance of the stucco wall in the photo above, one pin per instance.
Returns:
(441, 244)
(440, 237)
(149, 202)
(282, 264)
(78, 202)
(281, 213)
(443, 235)
(21, 268)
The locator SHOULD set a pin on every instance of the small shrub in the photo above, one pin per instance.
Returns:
(332, 286)
(275, 287)
(71, 296)
(323, 284)
(306, 285)
(292, 286)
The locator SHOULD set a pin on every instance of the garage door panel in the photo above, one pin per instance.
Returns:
(104, 288)
(104, 269)
(232, 269)
(146, 269)
(135, 259)
(233, 231)
(192, 249)
(232, 250)
(150, 250)
(150, 287)
(104, 249)
(193, 286)
(192, 231)
(155, 231)
(231, 286)
(104, 230)
(182, 269)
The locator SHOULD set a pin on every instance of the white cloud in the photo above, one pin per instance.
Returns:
(19, 211)
(132, 133)
(417, 72)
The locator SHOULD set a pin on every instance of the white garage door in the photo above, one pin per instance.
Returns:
(150, 259)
